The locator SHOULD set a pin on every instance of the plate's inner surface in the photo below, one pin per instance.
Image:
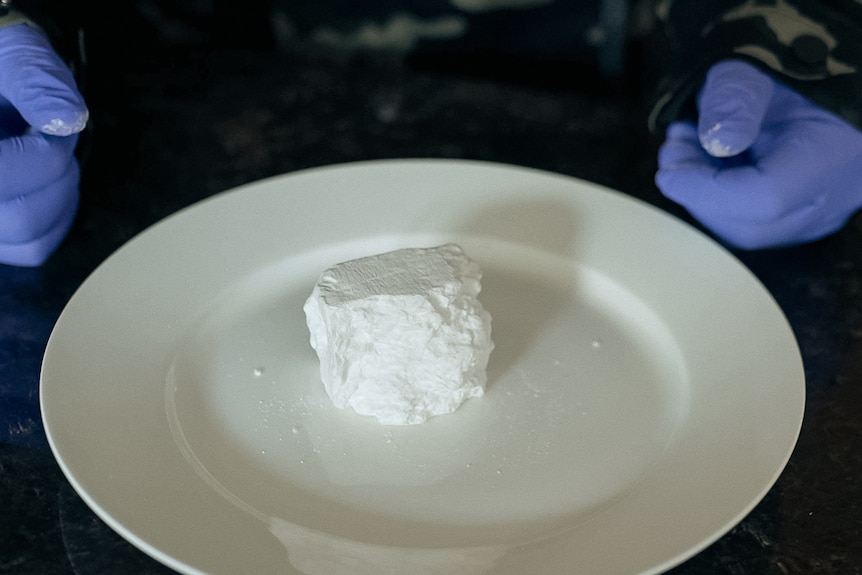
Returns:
(585, 389)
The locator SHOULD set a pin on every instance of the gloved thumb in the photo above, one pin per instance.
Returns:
(38, 84)
(731, 106)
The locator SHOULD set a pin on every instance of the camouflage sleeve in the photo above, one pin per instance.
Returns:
(815, 47)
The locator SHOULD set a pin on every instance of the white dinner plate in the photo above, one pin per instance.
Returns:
(644, 393)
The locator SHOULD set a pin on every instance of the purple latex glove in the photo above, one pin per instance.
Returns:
(41, 114)
(764, 167)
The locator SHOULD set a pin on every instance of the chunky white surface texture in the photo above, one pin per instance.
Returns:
(401, 336)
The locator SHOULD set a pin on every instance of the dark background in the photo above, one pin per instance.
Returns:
(180, 113)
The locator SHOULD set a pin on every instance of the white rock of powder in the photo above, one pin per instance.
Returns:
(401, 336)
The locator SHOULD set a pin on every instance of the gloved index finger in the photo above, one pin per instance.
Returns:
(731, 106)
(36, 81)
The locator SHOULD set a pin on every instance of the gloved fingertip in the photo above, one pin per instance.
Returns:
(720, 142)
(732, 104)
(38, 83)
(65, 126)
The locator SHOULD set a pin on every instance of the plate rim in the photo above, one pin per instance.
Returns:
(398, 164)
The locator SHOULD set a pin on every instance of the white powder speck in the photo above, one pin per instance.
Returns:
(713, 145)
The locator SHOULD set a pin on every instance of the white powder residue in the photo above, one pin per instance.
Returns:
(59, 127)
(713, 145)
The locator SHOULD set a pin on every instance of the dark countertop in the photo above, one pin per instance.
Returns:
(171, 130)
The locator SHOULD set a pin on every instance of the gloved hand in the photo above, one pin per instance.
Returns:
(41, 114)
(763, 167)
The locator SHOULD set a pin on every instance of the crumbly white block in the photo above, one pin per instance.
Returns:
(401, 335)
